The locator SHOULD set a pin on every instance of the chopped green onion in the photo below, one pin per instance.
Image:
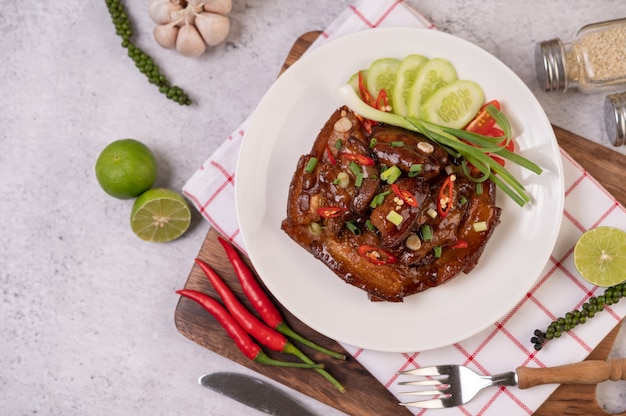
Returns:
(427, 232)
(342, 180)
(350, 225)
(310, 166)
(354, 168)
(462, 201)
(432, 213)
(415, 169)
(480, 226)
(359, 180)
(398, 143)
(437, 251)
(379, 199)
(479, 188)
(338, 144)
(315, 228)
(394, 218)
(373, 142)
(391, 175)
(370, 226)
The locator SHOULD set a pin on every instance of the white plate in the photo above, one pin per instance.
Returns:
(285, 125)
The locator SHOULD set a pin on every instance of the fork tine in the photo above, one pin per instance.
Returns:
(426, 404)
(438, 370)
(424, 393)
(429, 382)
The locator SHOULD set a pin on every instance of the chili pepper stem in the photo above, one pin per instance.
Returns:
(263, 358)
(284, 329)
(292, 349)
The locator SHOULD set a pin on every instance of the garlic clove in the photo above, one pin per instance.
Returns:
(161, 11)
(189, 42)
(165, 35)
(212, 27)
(218, 6)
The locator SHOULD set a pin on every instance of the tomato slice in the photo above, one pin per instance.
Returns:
(359, 158)
(330, 212)
(376, 255)
(483, 123)
(404, 195)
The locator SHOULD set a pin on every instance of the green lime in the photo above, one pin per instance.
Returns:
(160, 215)
(126, 168)
(600, 256)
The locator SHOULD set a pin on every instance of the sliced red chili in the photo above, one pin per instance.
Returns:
(331, 158)
(359, 158)
(444, 201)
(330, 212)
(459, 244)
(404, 195)
(382, 101)
(376, 255)
(365, 94)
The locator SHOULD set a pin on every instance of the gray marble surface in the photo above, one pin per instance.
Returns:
(86, 308)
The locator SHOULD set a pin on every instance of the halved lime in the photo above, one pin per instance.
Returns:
(600, 256)
(405, 77)
(160, 215)
(453, 105)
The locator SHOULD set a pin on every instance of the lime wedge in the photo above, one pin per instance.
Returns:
(160, 215)
(600, 256)
(405, 77)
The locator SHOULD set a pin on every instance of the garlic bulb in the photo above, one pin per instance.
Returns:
(190, 25)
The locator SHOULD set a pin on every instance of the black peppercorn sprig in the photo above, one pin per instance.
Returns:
(594, 304)
(142, 60)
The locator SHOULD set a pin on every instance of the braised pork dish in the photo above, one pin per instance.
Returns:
(386, 209)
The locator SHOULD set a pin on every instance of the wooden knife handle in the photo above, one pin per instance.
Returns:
(586, 372)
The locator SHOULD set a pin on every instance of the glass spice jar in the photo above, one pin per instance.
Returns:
(595, 60)
(615, 117)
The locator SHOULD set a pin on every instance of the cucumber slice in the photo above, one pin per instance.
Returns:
(435, 74)
(405, 77)
(453, 105)
(382, 75)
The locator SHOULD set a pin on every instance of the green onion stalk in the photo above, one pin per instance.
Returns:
(473, 148)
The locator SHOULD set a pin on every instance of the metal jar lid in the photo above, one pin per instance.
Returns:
(550, 65)
(615, 117)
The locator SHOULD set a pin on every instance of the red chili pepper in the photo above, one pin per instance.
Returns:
(444, 201)
(404, 195)
(243, 341)
(253, 326)
(330, 212)
(359, 158)
(382, 101)
(261, 302)
(376, 255)
(459, 244)
(331, 158)
(365, 94)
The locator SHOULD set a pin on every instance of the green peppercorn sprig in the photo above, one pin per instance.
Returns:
(595, 304)
(142, 60)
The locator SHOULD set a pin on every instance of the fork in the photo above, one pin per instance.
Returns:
(454, 385)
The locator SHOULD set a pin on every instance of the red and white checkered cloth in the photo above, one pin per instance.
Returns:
(506, 344)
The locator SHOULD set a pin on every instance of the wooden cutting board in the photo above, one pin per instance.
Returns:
(364, 394)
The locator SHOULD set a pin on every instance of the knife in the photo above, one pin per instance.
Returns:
(255, 393)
